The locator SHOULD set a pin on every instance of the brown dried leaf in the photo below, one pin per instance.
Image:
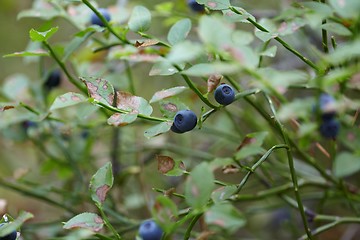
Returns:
(213, 81)
(146, 43)
(165, 163)
(4, 108)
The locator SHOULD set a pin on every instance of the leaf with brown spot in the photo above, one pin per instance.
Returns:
(251, 145)
(163, 94)
(134, 104)
(170, 167)
(86, 220)
(99, 89)
(120, 119)
(67, 100)
(101, 183)
(213, 81)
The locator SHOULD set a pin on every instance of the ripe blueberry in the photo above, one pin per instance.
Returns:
(326, 102)
(10, 236)
(53, 79)
(149, 230)
(330, 128)
(184, 121)
(195, 6)
(224, 94)
(96, 20)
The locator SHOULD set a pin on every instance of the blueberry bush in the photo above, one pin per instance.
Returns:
(265, 94)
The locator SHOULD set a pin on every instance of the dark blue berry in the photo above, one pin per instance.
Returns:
(330, 128)
(96, 20)
(11, 236)
(325, 102)
(195, 6)
(184, 121)
(53, 80)
(149, 230)
(224, 94)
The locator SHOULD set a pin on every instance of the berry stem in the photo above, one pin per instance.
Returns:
(191, 225)
(280, 40)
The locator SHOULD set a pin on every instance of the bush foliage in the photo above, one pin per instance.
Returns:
(275, 163)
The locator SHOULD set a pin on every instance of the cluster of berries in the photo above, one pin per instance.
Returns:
(329, 127)
(185, 120)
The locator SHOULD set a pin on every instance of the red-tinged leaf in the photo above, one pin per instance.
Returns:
(213, 81)
(163, 94)
(99, 89)
(143, 57)
(39, 52)
(101, 183)
(134, 104)
(120, 120)
(85, 220)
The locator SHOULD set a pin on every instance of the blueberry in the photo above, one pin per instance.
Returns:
(184, 121)
(11, 236)
(53, 79)
(224, 94)
(325, 102)
(149, 230)
(330, 128)
(96, 20)
(195, 6)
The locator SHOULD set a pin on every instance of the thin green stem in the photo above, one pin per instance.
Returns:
(324, 36)
(108, 224)
(266, 44)
(114, 109)
(336, 221)
(257, 164)
(196, 90)
(130, 77)
(78, 84)
(191, 226)
(105, 22)
(35, 195)
(291, 167)
(281, 41)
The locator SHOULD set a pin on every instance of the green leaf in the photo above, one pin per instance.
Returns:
(179, 31)
(170, 107)
(140, 19)
(120, 119)
(225, 216)
(39, 52)
(158, 129)
(134, 104)
(17, 87)
(85, 220)
(165, 212)
(16, 224)
(170, 92)
(346, 8)
(230, 16)
(344, 52)
(346, 164)
(199, 186)
(215, 4)
(36, 36)
(67, 99)
(337, 28)
(207, 69)
(223, 193)
(99, 89)
(45, 13)
(163, 68)
(101, 183)
(298, 108)
(269, 52)
(184, 52)
(215, 32)
(251, 145)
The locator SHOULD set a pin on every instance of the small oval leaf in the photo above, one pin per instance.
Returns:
(86, 220)
(140, 19)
